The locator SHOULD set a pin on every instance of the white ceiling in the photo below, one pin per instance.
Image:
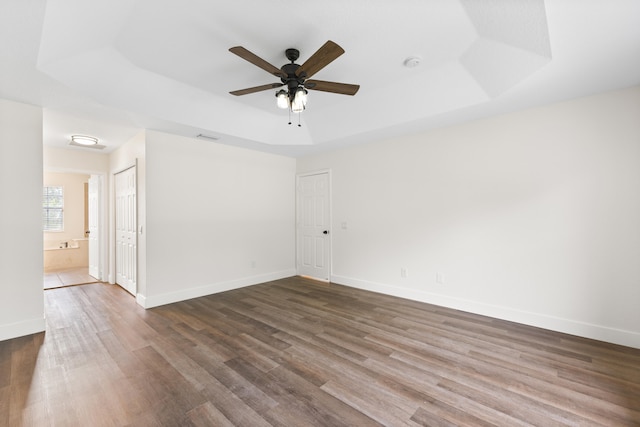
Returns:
(108, 68)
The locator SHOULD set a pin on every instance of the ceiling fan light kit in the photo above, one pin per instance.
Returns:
(295, 77)
(299, 102)
(282, 99)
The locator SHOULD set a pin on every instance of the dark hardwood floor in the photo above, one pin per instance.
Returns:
(296, 353)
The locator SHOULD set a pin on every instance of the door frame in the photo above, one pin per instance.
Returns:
(330, 205)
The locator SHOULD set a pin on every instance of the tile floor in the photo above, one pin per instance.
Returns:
(67, 277)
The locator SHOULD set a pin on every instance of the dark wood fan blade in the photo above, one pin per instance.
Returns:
(256, 89)
(256, 60)
(333, 87)
(323, 57)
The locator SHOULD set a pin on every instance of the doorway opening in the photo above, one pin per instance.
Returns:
(71, 229)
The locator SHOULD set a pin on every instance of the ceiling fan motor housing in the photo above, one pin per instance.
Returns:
(292, 80)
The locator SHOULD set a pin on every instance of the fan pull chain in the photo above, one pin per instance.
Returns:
(299, 125)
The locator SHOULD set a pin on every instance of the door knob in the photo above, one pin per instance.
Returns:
(325, 232)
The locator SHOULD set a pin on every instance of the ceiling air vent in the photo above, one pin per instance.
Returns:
(209, 137)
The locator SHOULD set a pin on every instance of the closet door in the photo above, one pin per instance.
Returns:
(126, 226)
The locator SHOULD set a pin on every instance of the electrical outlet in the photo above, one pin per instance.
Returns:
(253, 264)
(404, 273)
(440, 278)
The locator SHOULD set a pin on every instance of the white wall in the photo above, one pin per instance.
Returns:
(532, 217)
(21, 292)
(217, 217)
(74, 203)
(75, 160)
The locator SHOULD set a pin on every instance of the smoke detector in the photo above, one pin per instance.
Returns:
(412, 61)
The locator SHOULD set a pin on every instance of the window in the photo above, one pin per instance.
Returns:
(52, 209)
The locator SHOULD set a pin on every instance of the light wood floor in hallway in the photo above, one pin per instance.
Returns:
(296, 353)
(57, 278)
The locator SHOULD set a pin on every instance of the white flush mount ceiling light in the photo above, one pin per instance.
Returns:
(84, 140)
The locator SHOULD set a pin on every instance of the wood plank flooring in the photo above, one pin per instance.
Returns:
(58, 278)
(294, 353)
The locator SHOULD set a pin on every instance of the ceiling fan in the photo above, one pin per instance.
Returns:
(295, 77)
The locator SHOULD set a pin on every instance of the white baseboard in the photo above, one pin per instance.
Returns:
(214, 288)
(19, 329)
(558, 324)
(141, 300)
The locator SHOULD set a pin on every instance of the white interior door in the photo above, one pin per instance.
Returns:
(126, 226)
(313, 226)
(93, 199)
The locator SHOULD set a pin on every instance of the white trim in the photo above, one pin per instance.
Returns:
(126, 168)
(20, 329)
(545, 321)
(316, 172)
(141, 300)
(213, 288)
